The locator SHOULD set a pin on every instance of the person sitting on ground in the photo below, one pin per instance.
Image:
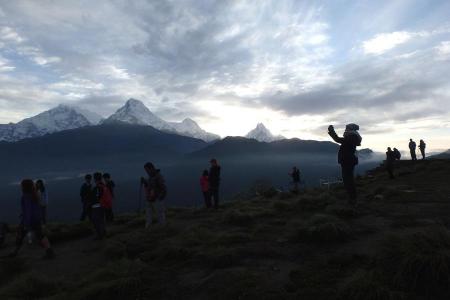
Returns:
(347, 156)
(214, 182)
(390, 159)
(422, 147)
(4, 229)
(156, 191)
(204, 184)
(397, 154)
(43, 199)
(412, 149)
(86, 197)
(98, 206)
(31, 219)
(110, 185)
(295, 174)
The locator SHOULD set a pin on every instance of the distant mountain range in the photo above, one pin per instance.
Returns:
(93, 145)
(135, 112)
(241, 146)
(64, 117)
(60, 118)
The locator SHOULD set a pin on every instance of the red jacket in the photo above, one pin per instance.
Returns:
(204, 183)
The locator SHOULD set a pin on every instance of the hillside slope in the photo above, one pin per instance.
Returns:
(394, 245)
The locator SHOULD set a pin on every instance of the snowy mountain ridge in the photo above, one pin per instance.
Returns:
(262, 134)
(135, 112)
(60, 118)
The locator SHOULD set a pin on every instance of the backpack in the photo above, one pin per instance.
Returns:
(397, 154)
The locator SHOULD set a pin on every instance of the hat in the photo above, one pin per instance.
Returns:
(351, 127)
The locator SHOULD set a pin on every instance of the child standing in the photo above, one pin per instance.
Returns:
(204, 184)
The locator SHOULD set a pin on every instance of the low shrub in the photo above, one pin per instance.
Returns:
(418, 262)
(10, 268)
(115, 250)
(30, 286)
(365, 285)
(324, 229)
(238, 218)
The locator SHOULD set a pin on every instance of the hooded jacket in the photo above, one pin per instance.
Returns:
(347, 151)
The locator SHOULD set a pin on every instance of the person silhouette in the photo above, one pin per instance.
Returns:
(390, 159)
(412, 149)
(347, 156)
(422, 147)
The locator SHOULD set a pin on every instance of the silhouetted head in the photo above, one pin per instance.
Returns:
(150, 168)
(213, 162)
(98, 177)
(205, 173)
(88, 178)
(410, 140)
(421, 141)
(28, 188)
(389, 149)
(107, 176)
(40, 186)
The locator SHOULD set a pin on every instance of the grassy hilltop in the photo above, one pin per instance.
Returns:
(394, 245)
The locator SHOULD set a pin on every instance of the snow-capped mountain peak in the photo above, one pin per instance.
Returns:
(262, 134)
(190, 128)
(62, 117)
(135, 112)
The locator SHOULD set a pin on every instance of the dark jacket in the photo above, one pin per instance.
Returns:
(97, 194)
(86, 192)
(111, 185)
(156, 187)
(347, 150)
(422, 145)
(31, 211)
(390, 157)
(214, 176)
(412, 146)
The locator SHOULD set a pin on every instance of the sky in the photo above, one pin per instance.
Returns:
(297, 66)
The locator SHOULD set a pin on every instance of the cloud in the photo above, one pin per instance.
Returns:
(296, 64)
(384, 42)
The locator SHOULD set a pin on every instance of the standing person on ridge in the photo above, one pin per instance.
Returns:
(109, 215)
(347, 156)
(31, 219)
(397, 154)
(98, 206)
(295, 174)
(156, 191)
(390, 159)
(412, 149)
(86, 197)
(422, 147)
(204, 184)
(214, 182)
(43, 199)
